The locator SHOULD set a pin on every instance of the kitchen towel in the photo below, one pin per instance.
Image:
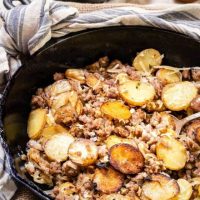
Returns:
(27, 28)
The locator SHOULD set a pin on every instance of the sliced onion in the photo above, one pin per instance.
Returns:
(175, 68)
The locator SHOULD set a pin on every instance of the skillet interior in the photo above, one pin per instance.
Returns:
(79, 50)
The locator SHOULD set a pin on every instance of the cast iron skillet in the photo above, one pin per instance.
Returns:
(77, 51)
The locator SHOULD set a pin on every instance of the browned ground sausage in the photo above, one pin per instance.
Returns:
(195, 104)
(196, 74)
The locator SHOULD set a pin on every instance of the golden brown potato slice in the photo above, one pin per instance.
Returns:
(67, 189)
(143, 197)
(146, 59)
(126, 158)
(177, 96)
(169, 132)
(167, 76)
(58, 87)
(160, 187)
(83, 152)
(67, 98)
(137, 93)
(122, 78)
(66, 114)
(116, 197)
(167, 122)
(108, 180)
(60, 100)
(92, 81)
(73, 98)
(36, 122)
(49, 131)
(113, 139)
(116, 110)
(172, 152)
(198, 189)
(77, 74)
(50, 121)
(185, 190)
(56, 148)
(79, 107)
(75, 102)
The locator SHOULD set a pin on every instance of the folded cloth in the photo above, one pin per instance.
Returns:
(27, 28)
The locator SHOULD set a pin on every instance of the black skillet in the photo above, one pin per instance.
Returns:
(77, 51)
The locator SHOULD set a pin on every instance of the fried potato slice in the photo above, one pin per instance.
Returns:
(57, 87)
(67, 98)
(50, 121)
(137, 93)
(122, 78)
(79, 107)
(60, 100)
(198, 189)
(167, 122)
(116, 110)
(67, 189)
(108, 180)
(77, 74)
(113, 139)
(50, 131)
(185, 190)
(66, 114)
(143, 197)
(83, 152)
(73, 98)
(92, 81)
(76, 102)
(160, 187)
(172, 152)
(126, 158)
(146, 59)
(116, 197)
(167, 76)
(177, 96)
(36, 122)
(169, 132)
(56, 148)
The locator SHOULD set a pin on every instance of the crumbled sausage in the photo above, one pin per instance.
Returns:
(196, 74)
(195, 104)
(58, 76)
(104, 61)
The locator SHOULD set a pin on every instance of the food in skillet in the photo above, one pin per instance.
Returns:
(108, 132)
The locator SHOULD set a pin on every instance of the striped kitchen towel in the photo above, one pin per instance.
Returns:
(27, 28)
